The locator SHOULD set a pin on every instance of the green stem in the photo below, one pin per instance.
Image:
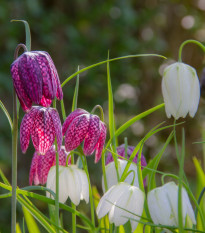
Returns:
(14, 149)
(63, 110)
(103, 62)
(187, 42)
(181, 173)
(73, 218)
(85, 166)
(199, 200)
(14, 163)
(101, 112)
(57, 188)
(103, 170)
(91, 193)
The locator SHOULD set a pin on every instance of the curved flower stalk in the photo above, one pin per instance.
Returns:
(163, 205)
(41, 165)
(121, 152)
(35, 79)
(181, 90)
(73, 183)
(123, 202)
(111, 174)
(81, 125)
(43, 125)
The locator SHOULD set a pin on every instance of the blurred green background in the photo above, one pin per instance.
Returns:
(80, 33)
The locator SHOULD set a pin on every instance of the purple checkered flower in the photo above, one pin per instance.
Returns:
(41, 165)
(35, 79)
(81, 125)
(43, 125)
(121, 152)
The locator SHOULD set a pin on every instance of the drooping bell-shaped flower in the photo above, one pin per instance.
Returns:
(163, 205)
(35, 79)
(41, 165)
(123, 202)
(121, 152)
(111, 174)
(81, 125)
(73, 183)
(43, 125)
(181, 90)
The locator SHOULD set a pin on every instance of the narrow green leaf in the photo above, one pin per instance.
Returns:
(153, 164)
(48, 201)
(110, 60)
(4, 177)
(133, 120)
(7, 114)
(111, 107)
(30, 222)
(18, 229)
(28, 32)
(75, 97)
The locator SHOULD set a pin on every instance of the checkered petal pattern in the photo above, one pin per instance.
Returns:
(81, 125)
(92, 136)
(35, 79)
(101, 141)
(77, 131)
(43, 125)
(41, 165)
(70, 118)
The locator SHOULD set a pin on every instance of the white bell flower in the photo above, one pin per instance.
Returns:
(111, 174)
(73, 183)
(163, 205)
(181, 90)
(123, 202)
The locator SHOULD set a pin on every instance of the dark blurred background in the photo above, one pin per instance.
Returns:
(80, 33)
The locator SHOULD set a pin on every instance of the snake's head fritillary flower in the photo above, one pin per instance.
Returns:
(181, 90)
(123, 202)
(163, 205)
(81, 125)
(43, 125)
(35, 79)
(41, 165)
(73, 183)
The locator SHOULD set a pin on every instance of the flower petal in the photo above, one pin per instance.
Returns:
(43, 134)
(59, 92)
(76, 132)
(30, 74)
(74, 184)
(57, 126)
(71, 117)
(24, 99)
(85, 185)
(33, 174)
(49, 85)
(92, 136)
(26, 128)
(101, 142)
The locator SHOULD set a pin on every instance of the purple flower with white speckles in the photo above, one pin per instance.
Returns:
(80, 125)
(41, 165)
(43, 125)
(35, 79)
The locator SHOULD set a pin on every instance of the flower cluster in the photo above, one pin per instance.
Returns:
(36, 80)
